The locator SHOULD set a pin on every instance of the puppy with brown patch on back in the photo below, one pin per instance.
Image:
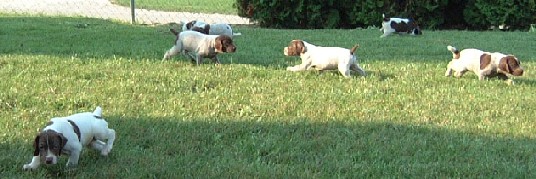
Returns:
(68, 135)
(483, 64)
(203, 46)
(400, 26)
(323, 58)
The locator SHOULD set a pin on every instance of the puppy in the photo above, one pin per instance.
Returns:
(68, 135)
(399, 25)
(203, 46)
(483, 64)
(210, 29)
(323, 58)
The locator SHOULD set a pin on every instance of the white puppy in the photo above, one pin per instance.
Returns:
(68, 135)
(323, 58)
(210, 29)
(483, 64)
(399, 25)
(202, 45)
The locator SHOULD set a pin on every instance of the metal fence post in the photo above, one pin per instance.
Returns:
(133, 10)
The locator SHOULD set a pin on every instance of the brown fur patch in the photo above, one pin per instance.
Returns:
(75, 128)
(409, 27)
(224, 43)
(296, 47)
(485, 60)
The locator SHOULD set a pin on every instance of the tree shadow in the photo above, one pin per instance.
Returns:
(261, 147)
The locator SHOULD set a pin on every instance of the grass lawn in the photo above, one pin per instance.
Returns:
(250, 118)
(196, 6)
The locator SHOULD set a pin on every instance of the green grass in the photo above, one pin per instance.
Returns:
(196, 6)
(250, 118)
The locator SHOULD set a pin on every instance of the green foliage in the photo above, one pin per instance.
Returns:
(476, 14)
(515, 13)
(250, 118)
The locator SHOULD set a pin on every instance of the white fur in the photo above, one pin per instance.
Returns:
(215, 29)
(191, 41)
(327, 58)
(93, 132)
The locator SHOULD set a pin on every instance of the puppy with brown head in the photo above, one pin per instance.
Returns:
(323, 58)
(203, 46)
(483, 64)
(295, 48)
(68, 135)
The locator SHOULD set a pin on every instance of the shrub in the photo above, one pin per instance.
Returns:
(304, 14)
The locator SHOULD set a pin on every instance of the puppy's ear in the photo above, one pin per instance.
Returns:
(36, 145)
(485, 60)
(63, 142)
(503, 64)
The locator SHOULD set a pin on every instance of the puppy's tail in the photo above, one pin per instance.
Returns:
(455, 52)
(98, 112)
(353, 49)
(174, 32)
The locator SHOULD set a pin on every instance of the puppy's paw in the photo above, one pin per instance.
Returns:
(106, 150)
(28, 167)
(510, 82)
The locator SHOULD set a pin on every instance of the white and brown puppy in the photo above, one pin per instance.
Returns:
(210, 29)
(203, 46)
(68, 135)
(323, 58)
(400, 26)
(483, 64)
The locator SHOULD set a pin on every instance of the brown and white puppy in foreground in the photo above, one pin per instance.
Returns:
(210, 29)
(203, 46)
(400, 26)
(323, 58)
(483, 64)
(68, 135)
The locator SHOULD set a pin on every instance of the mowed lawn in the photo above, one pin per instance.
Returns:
(195, 6)
(250, 118)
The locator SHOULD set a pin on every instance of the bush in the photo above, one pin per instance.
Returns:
(314, 14)
(517, 14)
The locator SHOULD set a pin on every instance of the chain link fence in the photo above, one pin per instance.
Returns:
(106, 10)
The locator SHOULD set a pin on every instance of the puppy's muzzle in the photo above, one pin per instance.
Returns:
(230, 49)
(518, 72)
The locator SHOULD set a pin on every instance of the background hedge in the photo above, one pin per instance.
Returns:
(431, 14)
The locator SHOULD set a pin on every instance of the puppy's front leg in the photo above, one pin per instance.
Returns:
(306, 63)
(36, 161)
(172, 52)
(216, 60)
(74, 155)
(198, 59)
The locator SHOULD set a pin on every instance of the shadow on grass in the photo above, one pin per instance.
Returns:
(68, 37)
(267, 148)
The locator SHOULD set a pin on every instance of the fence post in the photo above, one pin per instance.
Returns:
(133, 10)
